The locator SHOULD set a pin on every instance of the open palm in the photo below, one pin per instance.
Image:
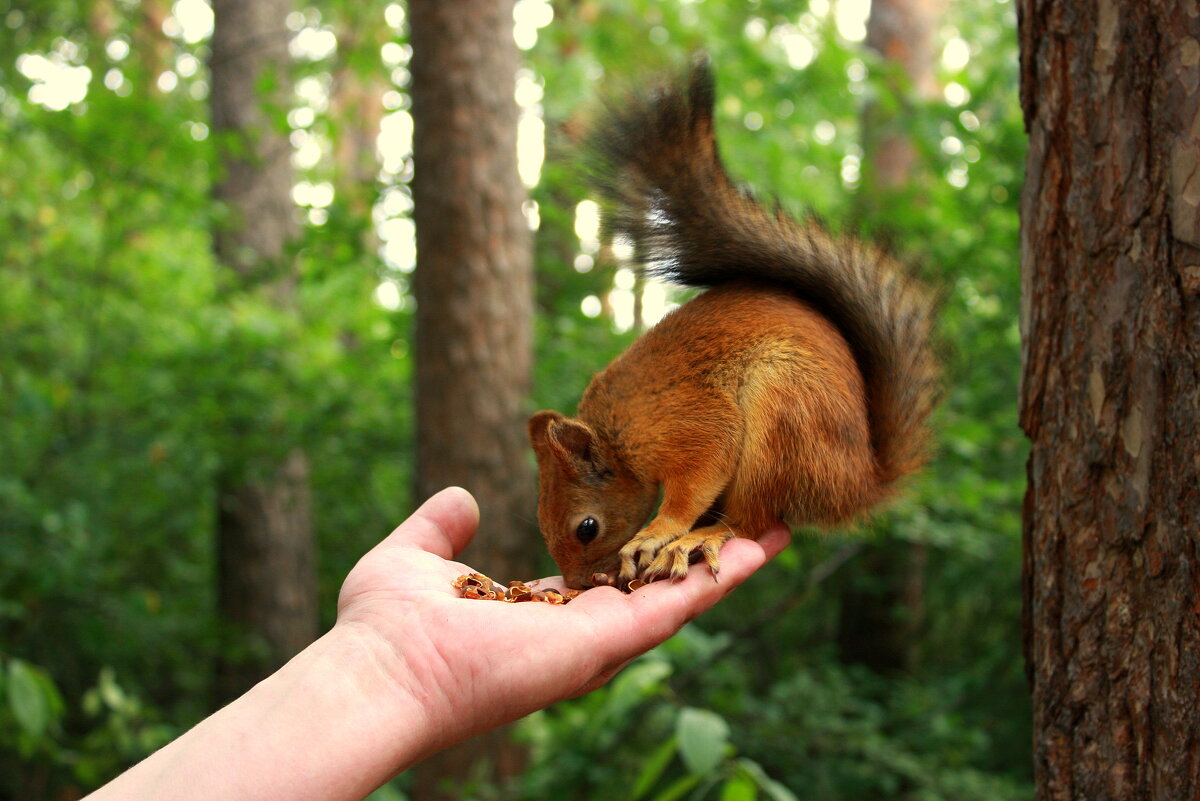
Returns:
(474, 665)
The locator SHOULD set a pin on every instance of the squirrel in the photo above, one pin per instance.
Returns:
(796, 387)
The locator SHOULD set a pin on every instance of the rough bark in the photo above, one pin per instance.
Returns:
(1110, 392)
(267, 596)
(474, 291)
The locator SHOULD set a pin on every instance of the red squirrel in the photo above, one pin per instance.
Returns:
(795, 388)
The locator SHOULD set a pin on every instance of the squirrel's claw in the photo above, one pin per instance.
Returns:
(640, 556)
(650, 557)
(671, 562)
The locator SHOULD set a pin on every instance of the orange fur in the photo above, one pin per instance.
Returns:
(795, 388)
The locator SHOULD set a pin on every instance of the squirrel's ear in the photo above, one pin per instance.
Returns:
(539, 435)
(571, 442)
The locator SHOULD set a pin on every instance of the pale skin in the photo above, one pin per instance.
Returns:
(410, 668)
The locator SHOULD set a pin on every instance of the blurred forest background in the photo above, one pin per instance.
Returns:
(137, 376)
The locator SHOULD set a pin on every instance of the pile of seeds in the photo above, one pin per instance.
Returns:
(479, 587)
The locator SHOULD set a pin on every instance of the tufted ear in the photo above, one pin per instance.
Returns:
(571, 443)
(539, 435)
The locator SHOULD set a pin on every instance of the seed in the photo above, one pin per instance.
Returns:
(479, 587)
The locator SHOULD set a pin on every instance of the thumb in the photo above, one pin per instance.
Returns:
(443, 525)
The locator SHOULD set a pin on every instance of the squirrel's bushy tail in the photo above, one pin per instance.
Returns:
(657, 163)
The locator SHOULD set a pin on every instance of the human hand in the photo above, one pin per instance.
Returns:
(469, 666)
(411, 668)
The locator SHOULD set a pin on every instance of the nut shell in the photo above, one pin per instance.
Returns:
(478, 587)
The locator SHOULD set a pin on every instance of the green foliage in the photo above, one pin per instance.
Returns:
(134, 372)
(34, 704)
(820, 731)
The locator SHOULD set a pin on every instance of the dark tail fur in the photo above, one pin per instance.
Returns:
(657, 164)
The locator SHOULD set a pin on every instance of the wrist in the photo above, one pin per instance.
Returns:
(362, 720)
(333, 723)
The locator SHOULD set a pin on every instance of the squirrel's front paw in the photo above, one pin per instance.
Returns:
(654, 555)
(651, 549)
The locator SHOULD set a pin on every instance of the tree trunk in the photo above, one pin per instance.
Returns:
(267, 598)
(356, 102)
(904, 34)
(883, 595)
(883, 606)
(1110, 391)
(266, 575)
(474, 291)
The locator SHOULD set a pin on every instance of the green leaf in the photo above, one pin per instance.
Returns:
(703, 739)
(739, 787)
(27, 699)
(653, 769)
(110, 692)
(635, 683)
(387, 793)
(754, 771)
(678, 788)
(777, 791)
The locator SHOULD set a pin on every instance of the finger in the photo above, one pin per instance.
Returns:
(669, 611)
(555, 582)
(626, 625)
(774, 540)
(443, 525)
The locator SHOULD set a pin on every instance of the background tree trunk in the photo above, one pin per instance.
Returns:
(1111, 388)
(267, 593)
(356, 101)
(904, 34)
(883, 594)
(474, 291)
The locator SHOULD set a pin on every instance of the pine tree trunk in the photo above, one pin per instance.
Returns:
(267, 597)
(356, 102)
(1111, 388)
(474, 293)
(266, 575)
(904, 34)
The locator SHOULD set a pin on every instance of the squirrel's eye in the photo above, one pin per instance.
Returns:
(587, 530)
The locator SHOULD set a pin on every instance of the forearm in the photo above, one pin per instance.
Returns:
(331, 724)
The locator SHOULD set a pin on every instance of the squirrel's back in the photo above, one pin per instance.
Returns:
(659, 168)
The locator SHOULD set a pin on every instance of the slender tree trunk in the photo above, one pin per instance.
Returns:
(152, 45)
(1111, 387)
(883, 595)
(356, 102)
(266, 576)
(474, 293)
(904, 34)
(267, 598)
